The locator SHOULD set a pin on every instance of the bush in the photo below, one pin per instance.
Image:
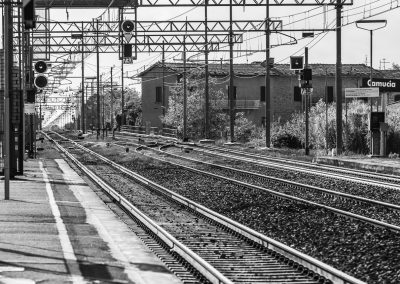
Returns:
(322, 128)
(244, 128)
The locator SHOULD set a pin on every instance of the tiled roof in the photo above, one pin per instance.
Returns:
(257, 69)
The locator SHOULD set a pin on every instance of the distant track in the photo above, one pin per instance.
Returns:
(366, 177)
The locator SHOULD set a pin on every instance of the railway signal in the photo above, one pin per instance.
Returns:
(128, 28)
(296, 62)
(306, 78)
(40, 80)
(29, 14)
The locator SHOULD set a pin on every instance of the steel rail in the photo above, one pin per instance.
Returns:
(293, 183)
(317, 266)
(200, 264)
(308, 164)
(288, 197)
(263, 157)
(308, 171)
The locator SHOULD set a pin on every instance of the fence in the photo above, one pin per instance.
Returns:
(169, 132)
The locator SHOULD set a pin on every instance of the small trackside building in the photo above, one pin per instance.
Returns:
(249, 83)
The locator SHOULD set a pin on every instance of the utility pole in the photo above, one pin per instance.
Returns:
(123, 122)
(8, 64)
(184, 93)
(112, 100)
(40, 116)
(339, 107)
(231, 75)
(206, 87)
(307, 149)
(86, 94)
(83, 83)
(98, 78)
(163, 83)
(267, 81)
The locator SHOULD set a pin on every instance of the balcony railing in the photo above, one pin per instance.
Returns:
(243, 104)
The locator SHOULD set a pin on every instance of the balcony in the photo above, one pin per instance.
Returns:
(243, 104)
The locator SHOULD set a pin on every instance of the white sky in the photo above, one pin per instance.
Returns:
(322, 49)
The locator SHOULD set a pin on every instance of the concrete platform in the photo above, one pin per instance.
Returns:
(55, 229)
(378, 165)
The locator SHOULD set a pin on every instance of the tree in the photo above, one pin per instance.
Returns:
(195, 106)
(134, 107)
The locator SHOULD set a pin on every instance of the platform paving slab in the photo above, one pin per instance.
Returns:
(379, 165)
(55, 229)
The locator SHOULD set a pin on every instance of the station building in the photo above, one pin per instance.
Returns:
(249, 82)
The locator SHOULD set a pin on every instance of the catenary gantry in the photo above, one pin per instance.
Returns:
(180, 3)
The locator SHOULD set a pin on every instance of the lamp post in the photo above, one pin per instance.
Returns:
(371, 26)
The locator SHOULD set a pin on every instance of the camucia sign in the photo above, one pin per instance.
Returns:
(384, 85)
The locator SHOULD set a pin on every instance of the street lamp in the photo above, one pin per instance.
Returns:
(371, 25)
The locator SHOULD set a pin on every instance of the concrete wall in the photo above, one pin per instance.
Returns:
(247, 88)
(152, 111)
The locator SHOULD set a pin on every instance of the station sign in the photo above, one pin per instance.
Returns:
(361, 92)
(384, 85)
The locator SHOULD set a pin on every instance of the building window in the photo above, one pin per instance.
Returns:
(158, 94)
(234, 92)
(262, 93)
(329, 94)
(397, 98)
(297, 94)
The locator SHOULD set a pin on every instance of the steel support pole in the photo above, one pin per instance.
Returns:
(40, 116)
(98, 78)
(112, 100)
(184, 94)
(83, 127)
(267, 81)
(163, 83)
(21, 77)
(339, 107)
(206, 87)
(307, 102)
(372, 99)
(370, 76)
(326, 110)
(8, 39)
(231, 75)
(123, 122)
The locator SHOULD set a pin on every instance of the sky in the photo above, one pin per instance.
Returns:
(322, 48)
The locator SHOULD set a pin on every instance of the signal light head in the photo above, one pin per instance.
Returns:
(128, 26)
(40, 81)
(40, 67)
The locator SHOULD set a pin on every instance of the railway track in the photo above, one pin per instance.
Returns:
(387, 215)
(379, 179)
(380, 213)
(365, 251)
(365, 177)
(237, 252)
